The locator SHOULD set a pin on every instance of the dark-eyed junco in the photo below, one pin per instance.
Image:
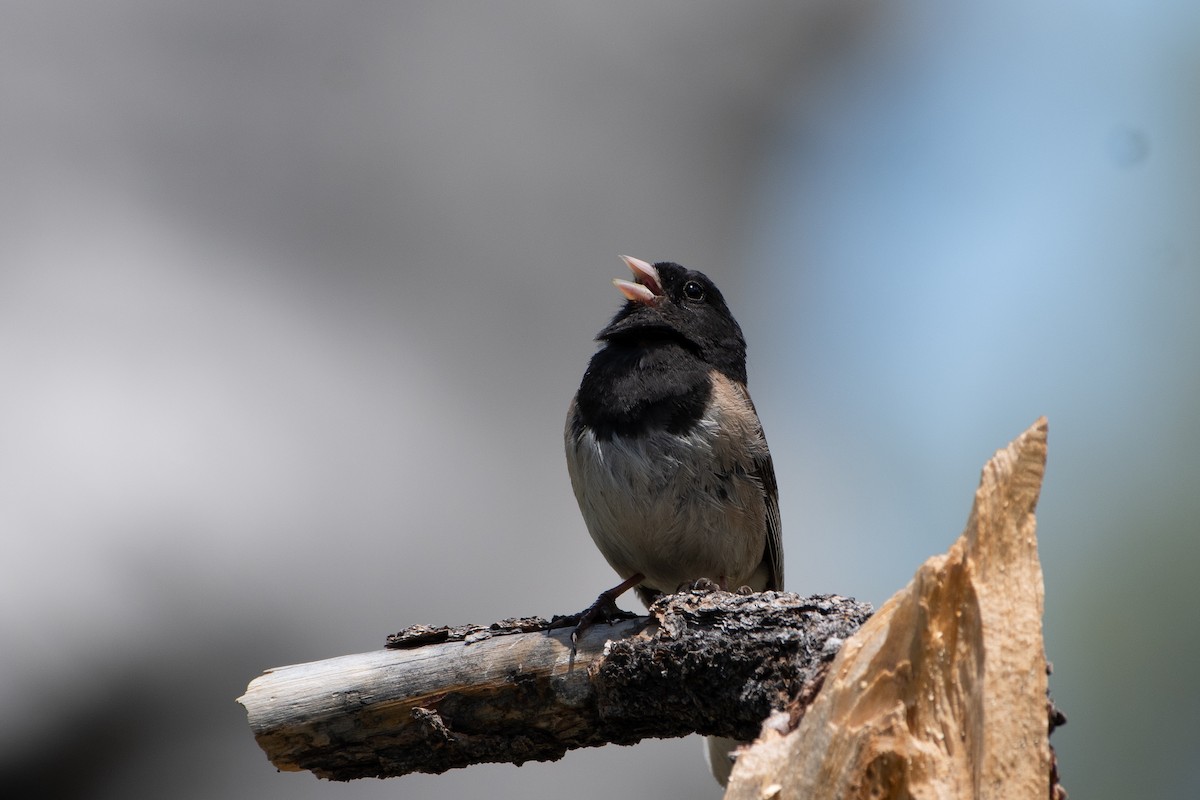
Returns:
(664, 448)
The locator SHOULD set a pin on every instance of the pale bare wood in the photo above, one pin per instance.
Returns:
(942, 694)
(706, 661)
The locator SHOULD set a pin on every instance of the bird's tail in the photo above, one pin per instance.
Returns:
(720, 752)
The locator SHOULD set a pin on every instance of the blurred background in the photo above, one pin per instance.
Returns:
(293, 297)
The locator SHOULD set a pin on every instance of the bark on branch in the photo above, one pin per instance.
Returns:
(706, 661)
(942, 693)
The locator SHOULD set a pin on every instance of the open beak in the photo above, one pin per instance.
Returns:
(645, 287)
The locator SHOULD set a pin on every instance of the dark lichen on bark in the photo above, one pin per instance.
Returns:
(736, 658)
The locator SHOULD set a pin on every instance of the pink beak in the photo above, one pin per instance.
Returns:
(645, 288)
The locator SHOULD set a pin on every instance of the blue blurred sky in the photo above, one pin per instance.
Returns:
(293, 299)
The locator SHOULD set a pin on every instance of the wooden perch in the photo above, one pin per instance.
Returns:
(942, 693)
(705, 661)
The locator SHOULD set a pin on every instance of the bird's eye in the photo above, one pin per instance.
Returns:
(693, 291)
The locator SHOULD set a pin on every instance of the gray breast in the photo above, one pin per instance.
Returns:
(675, 507)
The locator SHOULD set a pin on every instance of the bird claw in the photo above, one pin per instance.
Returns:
(704, 585)
(605, 608)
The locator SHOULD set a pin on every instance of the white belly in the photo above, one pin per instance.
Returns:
(675, 508)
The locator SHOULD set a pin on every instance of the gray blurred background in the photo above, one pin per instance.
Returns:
(293, 297)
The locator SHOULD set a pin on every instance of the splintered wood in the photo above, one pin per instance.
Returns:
(942, 693)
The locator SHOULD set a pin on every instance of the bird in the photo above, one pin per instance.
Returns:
(666, 453)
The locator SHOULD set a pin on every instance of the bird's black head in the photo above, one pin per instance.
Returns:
(667, 302)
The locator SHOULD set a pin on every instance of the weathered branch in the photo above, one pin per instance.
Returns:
(706, 661)
(942, 693)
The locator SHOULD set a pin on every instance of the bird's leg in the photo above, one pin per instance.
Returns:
(605, 606)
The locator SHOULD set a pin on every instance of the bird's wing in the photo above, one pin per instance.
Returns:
(773, 553)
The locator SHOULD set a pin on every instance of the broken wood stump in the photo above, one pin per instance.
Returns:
(943, 693)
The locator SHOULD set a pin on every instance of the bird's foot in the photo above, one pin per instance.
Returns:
(706, 585)
(604, 609)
